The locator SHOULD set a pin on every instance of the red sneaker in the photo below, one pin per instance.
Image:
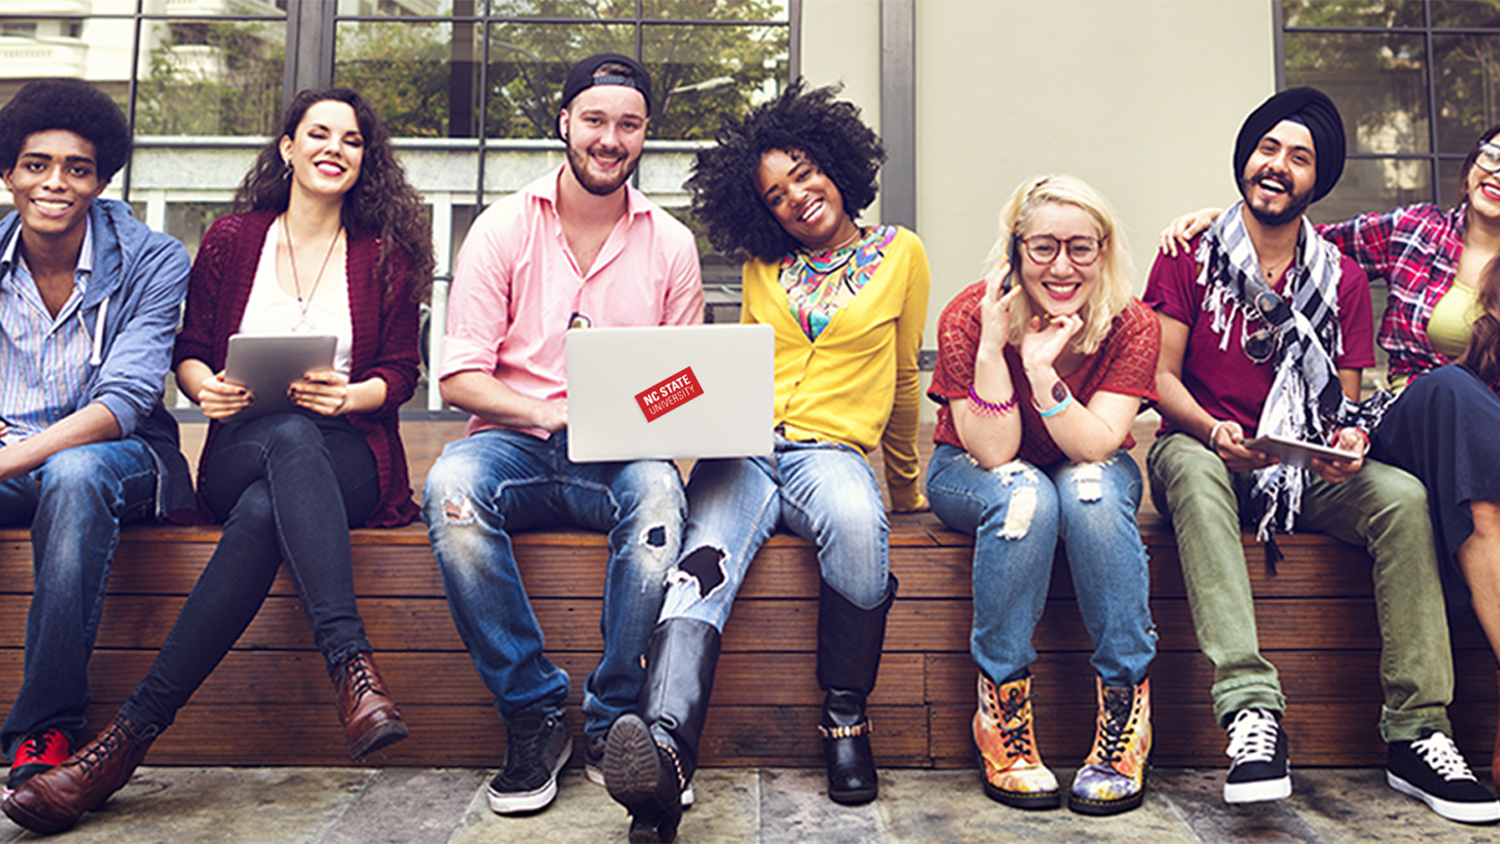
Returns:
(39, 752)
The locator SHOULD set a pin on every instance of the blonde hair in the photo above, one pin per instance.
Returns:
(1116, 270)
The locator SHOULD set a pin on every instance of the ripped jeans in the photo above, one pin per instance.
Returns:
(1018, 513)
(822, 491)
(499, 481)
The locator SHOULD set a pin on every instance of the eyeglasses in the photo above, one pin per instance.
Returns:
(1488, 159)
(1083, 251)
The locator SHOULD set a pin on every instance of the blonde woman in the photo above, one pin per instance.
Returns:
(1042, 367)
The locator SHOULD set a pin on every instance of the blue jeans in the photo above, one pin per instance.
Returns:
(498, 481)
(824, 492)
(74, 504)
(288, 487)
(1017, 514)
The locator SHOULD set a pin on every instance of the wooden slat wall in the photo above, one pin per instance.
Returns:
(270, 702)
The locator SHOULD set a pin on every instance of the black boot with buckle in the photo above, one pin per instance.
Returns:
(849, 645)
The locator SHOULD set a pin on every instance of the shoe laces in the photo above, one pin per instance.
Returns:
(106, 745)
(1441, 755)
(526, 739)
(34, 748)
(1252, 737)
(363, 681)
(1017, 740)
(1115, 733)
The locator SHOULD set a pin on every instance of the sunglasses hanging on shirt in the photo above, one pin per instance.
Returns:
(1260, 345)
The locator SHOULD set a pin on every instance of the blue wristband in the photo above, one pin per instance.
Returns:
(1056, 408)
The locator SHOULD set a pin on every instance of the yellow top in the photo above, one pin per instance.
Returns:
(859, 382)
(1450, 325)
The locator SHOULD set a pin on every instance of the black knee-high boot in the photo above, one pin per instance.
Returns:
(650, 758)
(849, 645)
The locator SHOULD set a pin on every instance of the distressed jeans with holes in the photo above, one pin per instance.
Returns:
(496, 482)
(74, 505)
(1018, 513)
(824, 492)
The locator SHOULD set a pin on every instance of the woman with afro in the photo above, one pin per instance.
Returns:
(848, 302)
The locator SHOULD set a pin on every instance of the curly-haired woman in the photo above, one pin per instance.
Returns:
(848, 302)
(331, 239)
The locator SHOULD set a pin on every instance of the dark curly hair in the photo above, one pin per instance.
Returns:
(72, 105)
(381, 201)
(827, 131)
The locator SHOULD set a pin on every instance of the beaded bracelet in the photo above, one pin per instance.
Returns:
(984, 408)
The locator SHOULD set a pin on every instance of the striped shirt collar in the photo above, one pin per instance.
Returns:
(81, 272)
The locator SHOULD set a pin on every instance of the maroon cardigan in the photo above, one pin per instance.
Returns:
(385, 338)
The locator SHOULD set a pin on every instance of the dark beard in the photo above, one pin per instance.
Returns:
(578, 163)
(1291, 214)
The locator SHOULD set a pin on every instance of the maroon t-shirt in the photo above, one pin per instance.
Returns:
(1124, 363)
(1225, 382)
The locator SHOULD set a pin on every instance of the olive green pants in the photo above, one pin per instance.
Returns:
(1382, 509)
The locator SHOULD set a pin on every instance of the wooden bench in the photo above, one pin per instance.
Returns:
(271, 703)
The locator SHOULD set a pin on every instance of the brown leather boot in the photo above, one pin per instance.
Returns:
(370, 718)
(54, 800)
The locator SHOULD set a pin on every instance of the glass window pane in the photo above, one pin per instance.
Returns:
(582, 9)
(408, 8)
(1372, 184)
(210, 77)
(97, 50)
(717, 10)
(701, 75)
(1468, 88)
(1467, 14)
(105, 7)
(1352, 13)
(421, 78)
(1449, 188)
(188, 221)
(208, 8)
(1377, 81)
(528, 64)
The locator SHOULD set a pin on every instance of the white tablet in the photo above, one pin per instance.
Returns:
(268, 363)
(1296, 452)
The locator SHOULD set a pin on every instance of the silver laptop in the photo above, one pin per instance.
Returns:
(670, 392)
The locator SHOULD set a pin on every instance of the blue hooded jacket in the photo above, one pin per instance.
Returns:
(135, 290)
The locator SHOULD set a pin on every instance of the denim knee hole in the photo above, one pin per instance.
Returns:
(703, 569)
(1088, 481)
(457, 510)
(1023, 500)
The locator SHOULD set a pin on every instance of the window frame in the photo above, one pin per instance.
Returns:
(1433, 157)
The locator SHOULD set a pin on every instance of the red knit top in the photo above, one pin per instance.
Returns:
(384, 344)
(1124, 363)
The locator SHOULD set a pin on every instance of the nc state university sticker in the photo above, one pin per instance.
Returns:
(670, 394)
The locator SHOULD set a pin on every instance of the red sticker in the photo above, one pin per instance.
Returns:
(674, 392)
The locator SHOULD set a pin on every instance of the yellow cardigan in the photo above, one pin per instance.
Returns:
(858, 383)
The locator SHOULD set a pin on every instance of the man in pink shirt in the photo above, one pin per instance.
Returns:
(578, 247)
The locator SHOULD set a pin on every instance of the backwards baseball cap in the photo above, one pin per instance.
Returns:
(582, 77)
(1313, 109)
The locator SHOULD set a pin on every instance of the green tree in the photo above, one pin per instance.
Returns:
(212, 78)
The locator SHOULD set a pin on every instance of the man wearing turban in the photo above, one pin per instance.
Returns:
(1265, 330)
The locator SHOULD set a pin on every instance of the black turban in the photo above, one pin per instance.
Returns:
(1312, 109)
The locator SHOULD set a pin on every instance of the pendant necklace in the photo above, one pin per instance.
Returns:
(303, 324)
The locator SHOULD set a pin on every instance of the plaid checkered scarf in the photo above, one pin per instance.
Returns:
(1306, 401)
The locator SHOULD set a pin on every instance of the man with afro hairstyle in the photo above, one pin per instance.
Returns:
(89, 302)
